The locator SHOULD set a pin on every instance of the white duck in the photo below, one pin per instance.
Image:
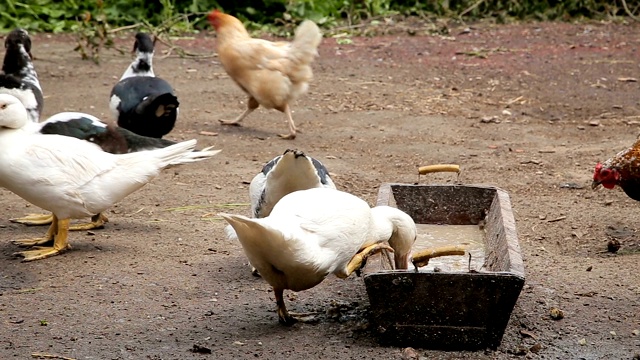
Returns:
(284, 174)
(112, 139)
(72, 178)
(312, 233)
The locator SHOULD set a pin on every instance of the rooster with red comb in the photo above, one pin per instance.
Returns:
(622, 170)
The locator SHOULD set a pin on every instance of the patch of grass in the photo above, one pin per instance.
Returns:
(96, 22)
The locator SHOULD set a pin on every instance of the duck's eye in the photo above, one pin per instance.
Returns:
(3, 106)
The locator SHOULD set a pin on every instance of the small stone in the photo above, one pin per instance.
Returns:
(409, 354)
(556, 314)
(535, 348)
(636, 332)
(582, 341)
(521, 350)
(589, 268)
(613, 333)
(613, 246)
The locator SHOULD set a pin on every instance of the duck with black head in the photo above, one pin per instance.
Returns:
(18, 76)
(142, 102)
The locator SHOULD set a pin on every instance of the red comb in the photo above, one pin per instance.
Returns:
(214, 14)
(596, 171)
(214, 17)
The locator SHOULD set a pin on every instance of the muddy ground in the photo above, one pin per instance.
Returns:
(530, 108)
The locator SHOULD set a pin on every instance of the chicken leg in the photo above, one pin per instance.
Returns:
(252, 104)
(97, 221)
(292, 127)
(58, 231)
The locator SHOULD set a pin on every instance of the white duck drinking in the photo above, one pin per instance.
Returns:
(284, 174)
(312, 233)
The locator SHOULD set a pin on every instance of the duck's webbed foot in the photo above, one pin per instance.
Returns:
(97, 222)
(59, 232)
(34, 219)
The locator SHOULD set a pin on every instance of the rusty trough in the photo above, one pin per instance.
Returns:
(448, 310)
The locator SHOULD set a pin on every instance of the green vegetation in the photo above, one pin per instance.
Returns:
(188, 15)
(95, 22)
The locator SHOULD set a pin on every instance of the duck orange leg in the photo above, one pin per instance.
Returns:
(358, 259)
(289, 318)
(97, 222)
(60, 229)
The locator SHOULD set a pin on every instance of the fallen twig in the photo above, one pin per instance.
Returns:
(196, 207)
(181, 51)
(50, 356)
(471, 8)
(122, 28)
(626, 9)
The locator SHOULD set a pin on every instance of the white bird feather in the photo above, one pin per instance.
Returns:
(312, 233)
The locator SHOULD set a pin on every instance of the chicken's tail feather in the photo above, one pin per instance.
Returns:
(305, 44)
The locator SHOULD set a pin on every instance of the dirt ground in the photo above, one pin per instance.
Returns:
(530, 108)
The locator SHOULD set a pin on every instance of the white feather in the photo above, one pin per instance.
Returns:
(140, 56)
(315, 232)
(114, 102)
(28, 99)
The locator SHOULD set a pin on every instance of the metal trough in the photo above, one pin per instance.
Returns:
(448, 310)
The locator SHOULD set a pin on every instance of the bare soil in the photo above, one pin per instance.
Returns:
(530, 108)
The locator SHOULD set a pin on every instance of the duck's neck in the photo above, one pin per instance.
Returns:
(398, 228)
(17, 62)
(141, 66)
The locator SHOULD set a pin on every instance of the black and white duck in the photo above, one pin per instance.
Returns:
(284, 174)
(140, 101)
(18, 76)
